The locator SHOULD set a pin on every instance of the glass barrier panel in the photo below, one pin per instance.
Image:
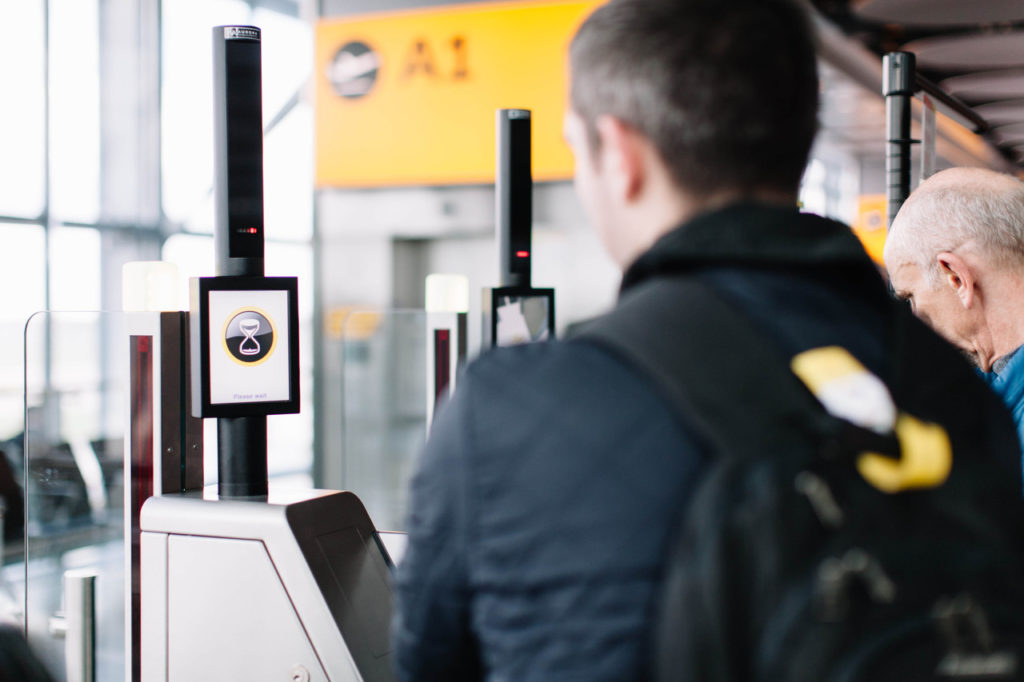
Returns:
(384, 408)
(72, 481)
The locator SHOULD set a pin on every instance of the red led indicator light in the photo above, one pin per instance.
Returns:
(252, 230)
(522, 254)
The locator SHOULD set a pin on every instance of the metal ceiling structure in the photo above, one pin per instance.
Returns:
(972, 49)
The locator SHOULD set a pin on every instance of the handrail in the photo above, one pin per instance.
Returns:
(955, 104)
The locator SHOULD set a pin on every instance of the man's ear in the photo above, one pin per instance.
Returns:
(620, 157)
(958, 276)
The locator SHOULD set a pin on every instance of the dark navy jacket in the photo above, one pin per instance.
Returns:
(549, 489)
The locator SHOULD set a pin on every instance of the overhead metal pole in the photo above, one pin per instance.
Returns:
(898, 79)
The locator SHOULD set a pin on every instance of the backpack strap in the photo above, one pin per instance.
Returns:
(717, 369)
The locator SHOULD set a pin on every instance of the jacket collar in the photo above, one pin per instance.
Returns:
(750, 234)
(1008, 382)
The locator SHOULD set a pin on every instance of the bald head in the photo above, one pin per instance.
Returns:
(973, 208)
(955, 252)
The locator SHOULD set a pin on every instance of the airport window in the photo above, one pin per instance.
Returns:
(812, 188)
(74, 110)
(193, 255)
(75, 269)
(23, 276)
(288, 178)
(829, 187)
(186, 102)
(22, 121)
(56, 232)
(22, 271)
(287, 59)
(106, 136)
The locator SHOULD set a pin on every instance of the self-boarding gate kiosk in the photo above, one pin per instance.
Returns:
(515, 312)
(244, 583)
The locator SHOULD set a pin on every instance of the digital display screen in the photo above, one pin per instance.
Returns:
(249, 347)
(522, 315)
(245, 346)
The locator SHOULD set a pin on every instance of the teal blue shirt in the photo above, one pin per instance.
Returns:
(1007, 379)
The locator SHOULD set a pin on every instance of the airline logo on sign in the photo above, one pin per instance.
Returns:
(409, 97)
(353, 71)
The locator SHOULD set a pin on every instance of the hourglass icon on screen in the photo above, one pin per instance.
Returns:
(249, 336)
(249, 345)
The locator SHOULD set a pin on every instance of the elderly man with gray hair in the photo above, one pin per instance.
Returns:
(955, 252)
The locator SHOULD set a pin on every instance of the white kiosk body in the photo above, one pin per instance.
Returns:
(292, 588)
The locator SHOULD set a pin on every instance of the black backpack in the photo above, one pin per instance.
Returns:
(793, 565)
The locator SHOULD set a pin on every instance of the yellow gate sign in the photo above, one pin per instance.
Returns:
(870, 225)
(408, 97)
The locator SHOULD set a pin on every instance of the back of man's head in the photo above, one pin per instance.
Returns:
(976, 207)
(726, 90)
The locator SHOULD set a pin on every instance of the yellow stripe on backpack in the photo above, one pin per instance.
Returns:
(926, 458)
(849, 391)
